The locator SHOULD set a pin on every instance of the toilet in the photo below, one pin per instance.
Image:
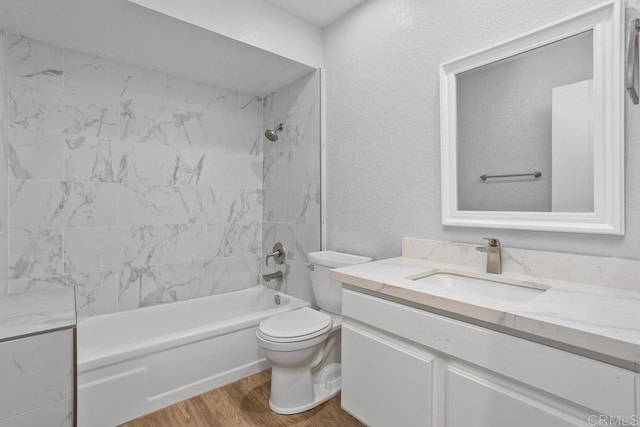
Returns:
(303, 346)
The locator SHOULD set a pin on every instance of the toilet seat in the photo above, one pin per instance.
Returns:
(295, 326)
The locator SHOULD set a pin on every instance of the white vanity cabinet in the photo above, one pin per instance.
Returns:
(37, 374)
(404, 366)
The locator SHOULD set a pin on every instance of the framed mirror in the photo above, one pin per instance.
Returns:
(532, 129)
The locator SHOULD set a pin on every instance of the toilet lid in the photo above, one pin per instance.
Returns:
(296, 325)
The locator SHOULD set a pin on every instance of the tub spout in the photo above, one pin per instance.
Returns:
(269, 277)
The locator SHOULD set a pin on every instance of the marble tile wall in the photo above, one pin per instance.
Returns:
(4, 197)
(135, 186)
(292, 180)
(36, 372)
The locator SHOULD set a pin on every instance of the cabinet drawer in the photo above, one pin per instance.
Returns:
(595, 385)
(35, 371)
(479, 402)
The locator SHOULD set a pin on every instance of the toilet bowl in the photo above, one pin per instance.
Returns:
(303, 346)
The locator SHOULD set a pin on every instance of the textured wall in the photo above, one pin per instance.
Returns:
(292, 181)
(504, 125)
(135, 186)
(383, 139)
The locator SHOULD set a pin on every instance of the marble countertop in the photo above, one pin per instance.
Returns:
(605, 322)
(36, 312)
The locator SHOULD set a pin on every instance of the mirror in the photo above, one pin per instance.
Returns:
(532, 129)
(535, 120)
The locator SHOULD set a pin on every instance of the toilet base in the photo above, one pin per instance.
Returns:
(322, 391)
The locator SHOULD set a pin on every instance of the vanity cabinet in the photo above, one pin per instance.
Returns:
(404, 366)
(38, 375)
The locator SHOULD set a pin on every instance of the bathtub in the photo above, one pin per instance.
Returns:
(135, 362)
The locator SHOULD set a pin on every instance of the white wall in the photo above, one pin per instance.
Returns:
(383, 168)
(127, 32)
(262, 25)
(572, 148)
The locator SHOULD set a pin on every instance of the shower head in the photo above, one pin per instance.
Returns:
(272, 134)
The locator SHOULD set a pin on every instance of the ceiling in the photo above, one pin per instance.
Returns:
(317, 12)
(123, 31)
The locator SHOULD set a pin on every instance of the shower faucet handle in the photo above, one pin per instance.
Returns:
(278, 254)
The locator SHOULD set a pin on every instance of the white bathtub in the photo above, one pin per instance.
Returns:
(135, 362)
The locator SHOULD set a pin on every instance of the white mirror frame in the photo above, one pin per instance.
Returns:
(607, 23)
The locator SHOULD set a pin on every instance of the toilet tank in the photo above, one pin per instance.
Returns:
(328, 292)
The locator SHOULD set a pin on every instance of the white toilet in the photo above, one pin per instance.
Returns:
(303, 346)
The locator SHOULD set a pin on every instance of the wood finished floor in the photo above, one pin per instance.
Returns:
(243, 403)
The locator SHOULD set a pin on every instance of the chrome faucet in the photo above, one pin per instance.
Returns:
(278, 254)
(494, 255)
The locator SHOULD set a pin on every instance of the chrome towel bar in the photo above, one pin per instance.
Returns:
(535, 174)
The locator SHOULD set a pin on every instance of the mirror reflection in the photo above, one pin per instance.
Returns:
(528, 117)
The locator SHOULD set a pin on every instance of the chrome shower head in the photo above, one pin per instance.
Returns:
(272, 134)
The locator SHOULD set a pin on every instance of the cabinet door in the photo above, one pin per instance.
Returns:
(477, 401)
(385, 382)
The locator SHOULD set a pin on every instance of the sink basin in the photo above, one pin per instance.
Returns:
(470, 286)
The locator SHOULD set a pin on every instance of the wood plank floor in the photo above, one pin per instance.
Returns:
(243, 403)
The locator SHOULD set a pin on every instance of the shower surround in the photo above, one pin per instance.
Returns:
(292, 180)
(134, 186)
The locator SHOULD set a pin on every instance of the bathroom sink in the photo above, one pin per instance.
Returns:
(470, 286)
